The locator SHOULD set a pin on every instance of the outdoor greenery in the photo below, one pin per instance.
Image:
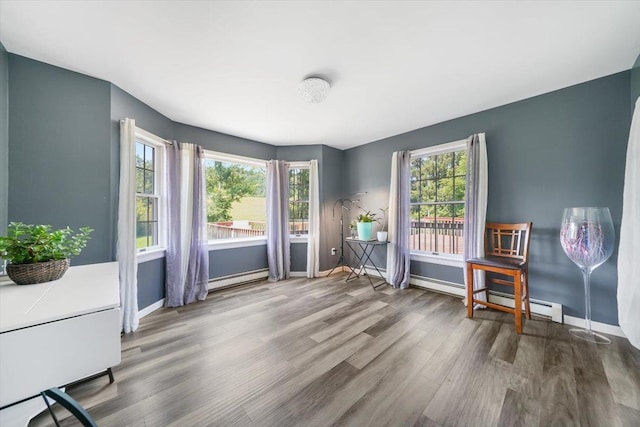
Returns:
(227, 183)
(27, 244)
(146, 199)
(299, 199)
(438, 185)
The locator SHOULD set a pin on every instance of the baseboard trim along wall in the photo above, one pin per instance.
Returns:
(596, 326)
(237, 279)
(151, 308)
(550, 310)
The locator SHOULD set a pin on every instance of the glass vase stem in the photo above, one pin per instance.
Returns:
(586, 276)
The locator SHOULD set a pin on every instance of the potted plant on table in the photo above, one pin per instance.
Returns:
(365, 225)
(38, 254)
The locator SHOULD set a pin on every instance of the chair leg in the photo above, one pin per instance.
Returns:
(517, 289)
(527, 306)
(469, 291)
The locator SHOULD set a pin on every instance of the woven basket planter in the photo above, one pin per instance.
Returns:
(39, 272)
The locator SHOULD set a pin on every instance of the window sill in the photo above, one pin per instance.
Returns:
(150, 255)
(215, 245)
(448, 260)
(298, 239)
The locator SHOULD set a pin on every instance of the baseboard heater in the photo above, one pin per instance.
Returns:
(550, 310)
(229, 281)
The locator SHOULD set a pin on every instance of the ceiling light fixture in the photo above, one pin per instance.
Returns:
(314, 89)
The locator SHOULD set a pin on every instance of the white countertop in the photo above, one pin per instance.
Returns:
(83, 289)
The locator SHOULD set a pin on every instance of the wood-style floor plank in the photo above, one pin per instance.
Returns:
(323, 352)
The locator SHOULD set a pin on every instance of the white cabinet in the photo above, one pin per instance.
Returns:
(54, 333)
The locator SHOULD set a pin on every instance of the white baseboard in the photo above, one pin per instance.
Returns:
(151, 308)
(227, 281)
(550, 310)
(596, 326)
(324, 273)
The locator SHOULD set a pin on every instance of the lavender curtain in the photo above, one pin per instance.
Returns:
(398, 257)
(475, 214)
(187, 259)
(278, 220)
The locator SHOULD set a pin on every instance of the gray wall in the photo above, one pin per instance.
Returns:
(227, 262)
(333, 188)
(59, 144)
(4, 138)
(561, 149)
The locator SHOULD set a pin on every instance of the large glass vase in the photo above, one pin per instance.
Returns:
(587, 237)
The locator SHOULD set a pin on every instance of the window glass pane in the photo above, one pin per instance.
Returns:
(148, 157)
(299, 201)
(153, 209)
(236, 200)
(141, 209)
(139, 180)
(459, 188)
(141, 235)
(139, 155)
(149, 178)
(436, 222)
(445, 190)
(444, 165)
(429, 167)
(428, 193)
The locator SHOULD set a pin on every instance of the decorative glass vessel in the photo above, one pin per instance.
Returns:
(587, 237)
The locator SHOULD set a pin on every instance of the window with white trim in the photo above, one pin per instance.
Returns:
(299, 199)
(150, 218)
(438, 176)
(236, 197)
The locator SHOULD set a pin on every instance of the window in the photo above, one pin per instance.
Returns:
(438, 177)
(149, 190)
(299, 199)
(236, 197)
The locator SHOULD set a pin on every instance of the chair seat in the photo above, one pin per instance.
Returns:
(499, 262)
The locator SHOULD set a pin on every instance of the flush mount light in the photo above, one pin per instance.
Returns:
(314, 89)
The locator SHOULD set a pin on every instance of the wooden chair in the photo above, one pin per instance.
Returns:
(507, 254)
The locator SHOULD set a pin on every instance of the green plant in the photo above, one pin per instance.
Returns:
(28, 244)
(366, 217)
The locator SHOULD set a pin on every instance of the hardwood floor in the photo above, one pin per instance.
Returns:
(321, 352)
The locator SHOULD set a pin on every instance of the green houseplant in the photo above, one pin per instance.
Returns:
(365, 225)
(37, 253)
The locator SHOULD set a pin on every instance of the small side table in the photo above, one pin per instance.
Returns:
(366, 249)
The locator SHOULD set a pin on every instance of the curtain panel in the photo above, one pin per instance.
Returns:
(187, 257)
(278, 252)
(476, 192)
(126, 245)
(398, 256)
(313, 241)
(628, 267)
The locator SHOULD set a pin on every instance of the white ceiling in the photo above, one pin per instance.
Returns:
(234, 67)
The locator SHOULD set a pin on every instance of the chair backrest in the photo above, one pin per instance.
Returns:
(508, 240)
